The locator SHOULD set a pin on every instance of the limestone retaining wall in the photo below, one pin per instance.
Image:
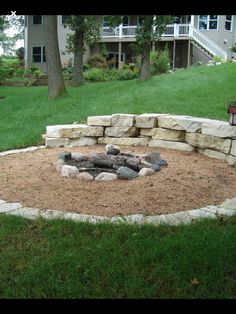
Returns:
(213, 138)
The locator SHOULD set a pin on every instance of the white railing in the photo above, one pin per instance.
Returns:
(129, 31)
(208, 44)
(108, 32)
(172, 30)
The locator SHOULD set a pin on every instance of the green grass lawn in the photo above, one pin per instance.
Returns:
(63, 259)
(199, 91)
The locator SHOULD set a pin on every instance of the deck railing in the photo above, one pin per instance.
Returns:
(176, 30)
(172, 30)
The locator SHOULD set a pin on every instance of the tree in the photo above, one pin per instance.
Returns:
(149, 30)
(86, 32)
(56, 85)
(8, 22)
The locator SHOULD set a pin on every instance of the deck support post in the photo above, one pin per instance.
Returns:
(120, 63)
(174, 47)
(189, 51)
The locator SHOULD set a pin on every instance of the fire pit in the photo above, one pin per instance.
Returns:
(110, 165)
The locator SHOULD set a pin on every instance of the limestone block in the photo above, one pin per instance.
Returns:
(83, 141)
(146, 120)
(125, 131)
(56, 142)
(123, 119)
(187, 123)
(171, 145)
(54, 130)
(229, 203)
(125, 141)
(81, 130)
(233, 148)
(168, 135)
(26, 212)
(148, 132)
(219, 128)
(99, 120)
(208, 141)
(212, 153)
(6, 207)
(231, 160)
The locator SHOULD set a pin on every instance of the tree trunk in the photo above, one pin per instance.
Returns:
(78, 77)
(146, 49)
(56, 85)
(145, 65)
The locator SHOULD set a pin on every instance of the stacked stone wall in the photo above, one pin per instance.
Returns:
(213, 138)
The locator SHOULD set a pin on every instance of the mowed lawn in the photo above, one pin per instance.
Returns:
(199, 91)
(65, 259)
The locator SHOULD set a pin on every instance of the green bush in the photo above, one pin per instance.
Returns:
(6, 72)
(33, 71)
(97, 74)
(97, 61)
(86, 67)
(160, 62)
(68, 72)
(124, 74)
(217, 59)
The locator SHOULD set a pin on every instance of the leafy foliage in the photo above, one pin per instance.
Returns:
(6, 22)
(160, 62)
(97, 61)
(87, 24)
(233, 49)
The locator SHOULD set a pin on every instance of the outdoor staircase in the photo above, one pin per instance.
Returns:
(203, 50)
(207, 46)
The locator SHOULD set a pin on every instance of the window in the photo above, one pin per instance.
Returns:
(105, 22)
(208, 22)
(140, 20)
(38, 54)
(64, 18)
(228, 23)
(37, 19)
(125, 20)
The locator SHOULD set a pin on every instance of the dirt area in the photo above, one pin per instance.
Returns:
(189, 181)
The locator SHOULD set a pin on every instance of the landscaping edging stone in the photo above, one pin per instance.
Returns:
(213, 138)
(181, 217)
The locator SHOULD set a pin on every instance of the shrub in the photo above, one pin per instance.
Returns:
(132, 67)
(6, 72)
(68, 72)
(124, 74)
(96, 74)
(160, 62)
(217, 59)
(20, 53)
(33, 71)
(97, 61)
(86, 67)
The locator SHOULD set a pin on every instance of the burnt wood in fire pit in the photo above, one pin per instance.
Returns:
(97, 163)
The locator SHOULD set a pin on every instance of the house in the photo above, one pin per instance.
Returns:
(189, 38)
